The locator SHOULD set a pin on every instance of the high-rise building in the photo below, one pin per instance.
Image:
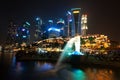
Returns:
(69, 24)
(84, 25)
(11, 33)
(61, 25)
(50, 23)
(54, 28)
(76, 23)
(23, 35)
(38, 29)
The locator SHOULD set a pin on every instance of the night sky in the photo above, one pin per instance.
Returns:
(103, 15)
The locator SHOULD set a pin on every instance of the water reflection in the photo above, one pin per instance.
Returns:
(79, 75)
(43, 66)
(37, 70)
(19, 67)
(72, 74)
(99, 74)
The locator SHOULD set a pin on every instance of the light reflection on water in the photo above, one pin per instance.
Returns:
(99, 74)
(37, 70)
(42, 66)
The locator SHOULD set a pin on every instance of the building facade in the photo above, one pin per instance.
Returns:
(84, 27)
(11, 33)
(76, 23)
(37, 34)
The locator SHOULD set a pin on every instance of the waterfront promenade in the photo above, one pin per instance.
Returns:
(105, 60)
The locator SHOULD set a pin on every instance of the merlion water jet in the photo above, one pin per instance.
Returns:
(72, 48)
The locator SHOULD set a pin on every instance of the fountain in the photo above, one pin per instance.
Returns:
(72, 48)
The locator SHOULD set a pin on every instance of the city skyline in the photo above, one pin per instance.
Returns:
(102, 15)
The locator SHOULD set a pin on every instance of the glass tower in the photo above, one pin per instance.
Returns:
(76, 23)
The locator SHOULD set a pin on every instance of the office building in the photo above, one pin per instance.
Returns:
(84, 27)
(76, 23)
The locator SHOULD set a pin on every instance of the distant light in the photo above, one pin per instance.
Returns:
(54, 29)
(37, 18)
(69, 13)
(70, 20)
(27, 31)
(76, 12)
(23, 29)
(27, 23)
(16, 34)
(61, 21)
(24, 36)
(57, 30)
(44, 32)
(49, 29)
(51, 21)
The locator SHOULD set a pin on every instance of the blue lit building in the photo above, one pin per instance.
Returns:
(54, 32)
(56, 29)
(23, 35)
(74, 22)
(68, 28)
(76, 25)
(38, 29)
(61, 26)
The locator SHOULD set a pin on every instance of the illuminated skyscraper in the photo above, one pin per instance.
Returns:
(76, 23)
(84, 24)
(61, 25)
(38, 28)
(22, 35)
(69, 24)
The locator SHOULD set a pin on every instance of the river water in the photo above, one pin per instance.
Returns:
(10, 69)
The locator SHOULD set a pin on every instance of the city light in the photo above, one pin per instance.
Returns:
(27, 23)
(61, 21)
(37, 18)
(69, 13)
(24, 36)
(16, 34)
(76, 12)
(23, 29)
(51, 21)
(54, 29)
(27, 31)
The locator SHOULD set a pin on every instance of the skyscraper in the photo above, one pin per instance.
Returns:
(22, 35)
(69, 24)
(76, 23)
(11, 33)
(38, 28)
(84, 25)
(61, 25)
